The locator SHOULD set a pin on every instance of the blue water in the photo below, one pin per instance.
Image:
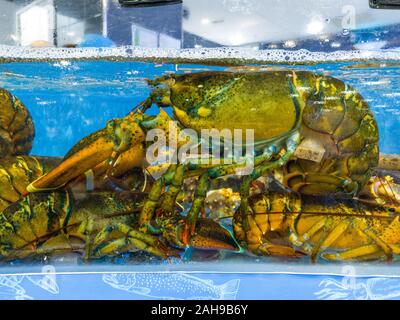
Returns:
(71, 99)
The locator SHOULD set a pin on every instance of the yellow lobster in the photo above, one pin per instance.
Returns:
(287, 224)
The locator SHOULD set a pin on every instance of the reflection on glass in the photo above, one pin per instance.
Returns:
(35, 23)
(327, 25)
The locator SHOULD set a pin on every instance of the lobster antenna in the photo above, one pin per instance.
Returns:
(145, 180)
(391, 196)
(226, 217)
(142, 106)
(180, 206)
(335, 214)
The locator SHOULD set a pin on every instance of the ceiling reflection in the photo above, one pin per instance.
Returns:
(326, 25)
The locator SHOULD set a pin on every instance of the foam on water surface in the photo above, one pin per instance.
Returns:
(233, 55)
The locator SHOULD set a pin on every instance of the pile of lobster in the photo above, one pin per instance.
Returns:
(318, 186)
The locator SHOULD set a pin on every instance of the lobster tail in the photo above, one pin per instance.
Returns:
(16, 127)
(16, 173)
(340, 146)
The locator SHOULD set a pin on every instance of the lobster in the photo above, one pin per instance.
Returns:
(98, 225)
(292, 225)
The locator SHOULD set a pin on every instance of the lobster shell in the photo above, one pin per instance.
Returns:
(16, 127)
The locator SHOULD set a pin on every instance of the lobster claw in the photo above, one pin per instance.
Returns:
(92, 151)
(210, 235)
(110, 150)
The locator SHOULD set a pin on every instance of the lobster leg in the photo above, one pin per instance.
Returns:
(326, 235)
(337, 231)
(199, 198)
(132, 238)
(128, 243)
(354, 254)
(197, 205)
(299, 240)
(203, 188)
(327, 238)
(381, 191)
(167, 206)
(60, 244)
(263, 166)
(210, 234)
(150, 205)
(379, 245)
(320, 183)
(263, 169)
(278, 250)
